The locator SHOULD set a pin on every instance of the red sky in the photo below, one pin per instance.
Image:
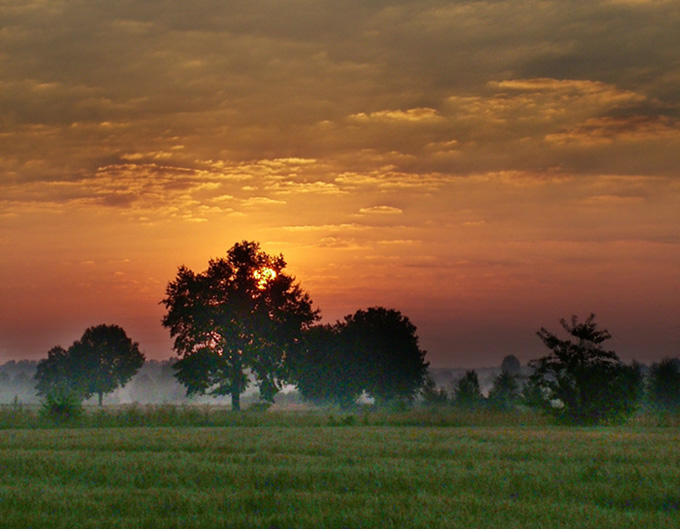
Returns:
(485, 167)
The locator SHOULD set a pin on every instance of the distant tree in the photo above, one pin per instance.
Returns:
(243, 312)
(104, 359)
(101, 361)
(506, 391)
(385, 343)
(511, 364)
(663, 385)
(55, 374)
(467, 392)
(579, 381)
(433, 395)
(326, 369)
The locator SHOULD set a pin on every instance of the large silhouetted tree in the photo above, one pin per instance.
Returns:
(101, 361)
(242, 313)
(580, 381)
(374, 350)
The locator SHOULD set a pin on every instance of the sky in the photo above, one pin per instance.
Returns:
(486, 167)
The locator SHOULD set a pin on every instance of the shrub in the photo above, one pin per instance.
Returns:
(62, 405)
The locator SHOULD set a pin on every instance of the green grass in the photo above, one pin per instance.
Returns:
(306, 473)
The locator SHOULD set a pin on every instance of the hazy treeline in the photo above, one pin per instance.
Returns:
(155, 383)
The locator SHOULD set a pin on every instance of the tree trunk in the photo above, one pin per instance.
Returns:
(236, 399)
(236, 383)
(101, 398)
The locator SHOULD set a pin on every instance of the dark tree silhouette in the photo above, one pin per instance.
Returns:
(663, 385)
(102, 360)
(54, 374)
(385, 342)
(505, 392)
(326, 369)
(580, 382)
(243, 312)
(467, 392)
(431, 394)
(374, 350)
(511, 364)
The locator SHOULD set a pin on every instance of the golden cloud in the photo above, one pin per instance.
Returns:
(381, 210)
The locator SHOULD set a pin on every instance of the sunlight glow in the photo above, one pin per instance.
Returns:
(264, 276)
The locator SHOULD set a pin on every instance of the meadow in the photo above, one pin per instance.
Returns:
(319, 470)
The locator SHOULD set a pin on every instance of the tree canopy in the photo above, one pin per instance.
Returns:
(102, 360)
(374, 351)
(386, 344)
(580, 381)
(242, 313)
(326, 369)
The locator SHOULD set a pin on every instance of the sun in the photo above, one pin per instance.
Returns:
(263, 276)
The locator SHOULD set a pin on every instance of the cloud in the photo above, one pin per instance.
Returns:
(261, 201)
(381, 210)
(607, 130)
(413, 115)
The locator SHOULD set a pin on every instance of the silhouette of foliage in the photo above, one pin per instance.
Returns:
(432, 395)
(581, 382)
(243, 312)
(54, 374)
(326, 369)
(374, 351)
(467, 392)
(101, 361)
(104, 359)
(663, 385)
(393, 366)
(511, 364)
(506, 391)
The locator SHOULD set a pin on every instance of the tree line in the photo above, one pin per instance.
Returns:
(245, 317)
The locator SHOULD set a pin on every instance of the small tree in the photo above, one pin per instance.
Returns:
(55, 383)
(580, 381)
(467, 392)
(54, 374)
(103, 360)
(663, 385)
(243, 312)
(433, 395)
(511, 364)
(505, 392)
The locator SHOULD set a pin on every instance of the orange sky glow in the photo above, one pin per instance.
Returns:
(486, 168)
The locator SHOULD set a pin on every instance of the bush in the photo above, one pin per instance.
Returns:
(62, 406)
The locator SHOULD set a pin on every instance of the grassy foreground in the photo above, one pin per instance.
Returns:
(352, 476)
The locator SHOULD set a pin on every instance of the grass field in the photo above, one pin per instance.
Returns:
(359, 475)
